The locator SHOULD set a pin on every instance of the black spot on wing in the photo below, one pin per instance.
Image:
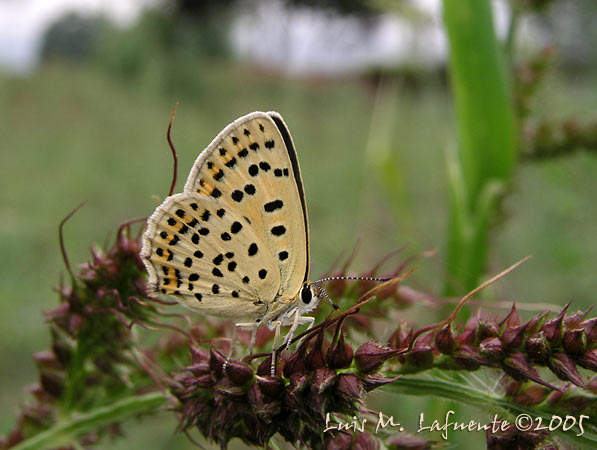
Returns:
(278, 230)
(219, 175)
(253, 249)
(250, 189)
(273, 205)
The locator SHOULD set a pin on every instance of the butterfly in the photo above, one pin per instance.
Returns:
(235, 242)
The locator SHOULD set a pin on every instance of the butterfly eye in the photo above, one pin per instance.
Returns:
(306, 295)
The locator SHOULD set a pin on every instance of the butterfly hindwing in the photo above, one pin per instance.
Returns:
(209, 259)
(251, 168)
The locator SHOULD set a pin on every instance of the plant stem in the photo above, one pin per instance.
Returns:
(484, 158)
(68, 429)
(467, 395)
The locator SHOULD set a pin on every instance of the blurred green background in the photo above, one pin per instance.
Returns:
(87, 122)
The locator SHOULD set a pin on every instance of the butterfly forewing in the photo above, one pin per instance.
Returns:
(236, 239)
(251, 167)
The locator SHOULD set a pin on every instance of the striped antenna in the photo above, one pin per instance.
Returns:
(350, 278)
(325, 294)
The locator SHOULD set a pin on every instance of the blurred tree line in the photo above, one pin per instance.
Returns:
(169, 41)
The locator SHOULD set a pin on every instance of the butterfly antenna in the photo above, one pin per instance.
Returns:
(351, 278)
(325, 294)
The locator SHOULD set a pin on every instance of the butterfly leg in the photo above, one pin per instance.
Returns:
(310, 321)
(295, 324)
(253, 326)
(277, 324)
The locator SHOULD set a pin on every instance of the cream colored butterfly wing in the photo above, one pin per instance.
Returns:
(237, 238)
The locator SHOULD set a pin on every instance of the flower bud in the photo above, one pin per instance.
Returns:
(445, 340)
(538, 349)
(230, 391)
(239, 372)
(201, 368)
(535, 323)
(421, 356)
(315, 358)
(517, 366)
(370, 357)
(348, 387)
(198, 354)
(52, 383)
(270, 386)
(553, 329)
(400, 339)
(322, 379)
(512, 337)
(512, 319)
(574, 320)
(491, 349)
(590, 327)
(298, 381)
(574, 341)
(371, 382)
(487, 328)
(216, 362)
(339, 356)
(563, 366)
(588, 360)
(468, 358)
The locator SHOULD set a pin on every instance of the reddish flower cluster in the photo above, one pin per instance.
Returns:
(224, 401)
(91, 339)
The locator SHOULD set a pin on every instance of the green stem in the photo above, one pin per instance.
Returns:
(69, 429)
(467, 395)
(485, 155)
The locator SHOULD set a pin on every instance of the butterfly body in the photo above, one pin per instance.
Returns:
(235, 242)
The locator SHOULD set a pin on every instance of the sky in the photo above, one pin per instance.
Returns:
(300, 42)
(23, 23)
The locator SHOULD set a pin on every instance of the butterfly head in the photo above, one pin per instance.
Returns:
(309, 297)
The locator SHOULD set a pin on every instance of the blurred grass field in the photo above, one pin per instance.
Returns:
(73, 133)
